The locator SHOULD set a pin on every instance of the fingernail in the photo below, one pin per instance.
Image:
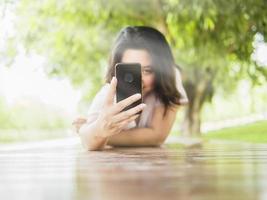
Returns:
(138, 95)
(112, 80)
(142, 105)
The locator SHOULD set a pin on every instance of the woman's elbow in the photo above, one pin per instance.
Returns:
(160, 139)
(88, 139)
(91, 147)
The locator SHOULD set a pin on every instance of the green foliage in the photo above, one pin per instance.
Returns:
(217, 35)
(254, 133)
(76, 35)
(208, 37)
(31, 116)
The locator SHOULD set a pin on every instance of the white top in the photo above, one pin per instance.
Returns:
(150, 100)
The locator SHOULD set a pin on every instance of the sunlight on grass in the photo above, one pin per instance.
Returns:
(255, 133)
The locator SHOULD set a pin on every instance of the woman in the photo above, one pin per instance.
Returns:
(162, 94)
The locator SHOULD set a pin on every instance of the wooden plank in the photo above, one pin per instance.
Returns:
(211, 171)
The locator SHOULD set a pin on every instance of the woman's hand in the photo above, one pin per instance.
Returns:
(112, 119)
(78, 123)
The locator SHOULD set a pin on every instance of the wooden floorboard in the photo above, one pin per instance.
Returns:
(209, 171)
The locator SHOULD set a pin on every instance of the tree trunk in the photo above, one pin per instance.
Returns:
(197, 93)
(198, 89)
(191, 122)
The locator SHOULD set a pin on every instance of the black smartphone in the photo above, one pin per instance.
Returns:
(129, 79)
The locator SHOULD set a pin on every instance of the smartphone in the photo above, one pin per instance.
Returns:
(129, 82)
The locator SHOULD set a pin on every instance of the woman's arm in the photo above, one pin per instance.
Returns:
(95, 133)
(155, 135)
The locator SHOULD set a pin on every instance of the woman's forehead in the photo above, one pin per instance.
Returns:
(137, 56)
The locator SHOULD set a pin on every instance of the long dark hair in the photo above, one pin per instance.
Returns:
(163, 65)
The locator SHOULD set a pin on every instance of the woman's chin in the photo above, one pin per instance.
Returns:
(145, 93)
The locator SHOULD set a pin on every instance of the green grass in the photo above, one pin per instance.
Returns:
(254, 133)
(12, 136)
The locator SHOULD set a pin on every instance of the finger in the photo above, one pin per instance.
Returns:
(78, 124)
(126, 102)
(111, 92)
(79, 120)
(119, 127)
(77, 128)
(125, 122)
(129, 113)
(75, 122)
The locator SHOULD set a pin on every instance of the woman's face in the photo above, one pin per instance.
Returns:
(142, 57)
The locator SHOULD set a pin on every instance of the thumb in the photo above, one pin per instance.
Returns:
(111, 91)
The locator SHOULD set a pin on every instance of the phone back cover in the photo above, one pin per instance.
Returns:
(127, 87)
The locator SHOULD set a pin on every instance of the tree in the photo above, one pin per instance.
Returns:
(211, 39)
(219, 36)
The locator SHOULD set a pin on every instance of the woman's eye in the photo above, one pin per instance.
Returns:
(147, 71)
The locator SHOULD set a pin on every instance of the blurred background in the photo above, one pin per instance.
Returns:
(53, 57)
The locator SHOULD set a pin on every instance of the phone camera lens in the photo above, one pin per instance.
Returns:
(128, 77)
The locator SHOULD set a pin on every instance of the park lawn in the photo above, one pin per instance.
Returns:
(12, 136)
(254, 133)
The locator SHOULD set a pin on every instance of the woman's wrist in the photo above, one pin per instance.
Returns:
(91, 136)
(100, 132)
